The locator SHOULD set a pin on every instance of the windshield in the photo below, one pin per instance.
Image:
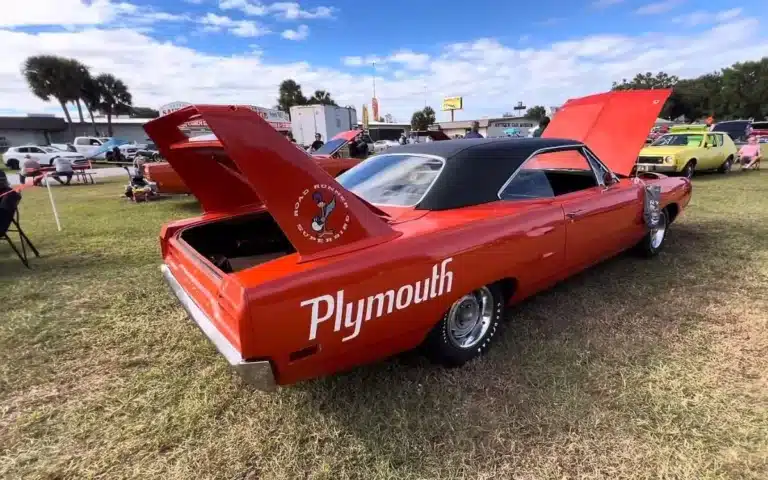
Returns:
(690, 140)
(392, 179)
(330, 147)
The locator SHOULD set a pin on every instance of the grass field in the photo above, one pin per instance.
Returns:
(634, 369)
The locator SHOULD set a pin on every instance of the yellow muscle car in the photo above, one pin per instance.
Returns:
(686, 151)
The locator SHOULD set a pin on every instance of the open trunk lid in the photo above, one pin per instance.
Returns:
(318, 216)
(614, 125)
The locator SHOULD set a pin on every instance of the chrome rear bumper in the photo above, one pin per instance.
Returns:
(258, 374)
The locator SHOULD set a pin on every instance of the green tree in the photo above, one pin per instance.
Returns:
(745, 89)
(115, 98)
(647, 80)
(50, 76)
(144, 112)
(422, 119)
(321, 97)
(537, 112)
(290, 95)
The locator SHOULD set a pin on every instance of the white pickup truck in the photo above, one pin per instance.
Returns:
(88, 145)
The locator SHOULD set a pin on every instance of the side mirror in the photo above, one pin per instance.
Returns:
(608, 179)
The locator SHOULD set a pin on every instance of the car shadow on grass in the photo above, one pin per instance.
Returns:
(568, 363)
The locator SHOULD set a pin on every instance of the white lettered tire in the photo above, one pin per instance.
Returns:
(467, 328)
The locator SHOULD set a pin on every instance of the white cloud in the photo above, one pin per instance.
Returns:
(362, 61)
(293, 11)
(411, 60)
(71, 13)
(249, 8)
(299, 34)
(240, 28)
(659, 7)
(194, 2)
(490, 75)
(703, 17)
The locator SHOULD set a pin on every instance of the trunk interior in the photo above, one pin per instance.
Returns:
(239, 243)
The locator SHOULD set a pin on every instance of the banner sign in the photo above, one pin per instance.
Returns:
(278, 119)
(453, 103)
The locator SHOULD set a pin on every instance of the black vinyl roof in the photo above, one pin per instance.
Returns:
(475, 168)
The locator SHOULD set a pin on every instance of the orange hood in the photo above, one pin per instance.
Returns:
(614, 125)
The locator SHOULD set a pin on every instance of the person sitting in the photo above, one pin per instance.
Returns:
(30, 168)
(750, 154)
(5, 185)
(63, 169)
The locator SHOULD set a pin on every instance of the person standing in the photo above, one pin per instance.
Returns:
(317, 143)
(474, 131)
(543, 123)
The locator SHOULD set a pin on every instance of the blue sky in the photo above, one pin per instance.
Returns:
(494, 54)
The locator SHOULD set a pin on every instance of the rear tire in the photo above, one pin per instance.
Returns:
(726, 166)
(653, 241)
(467, 328)
(13, 164)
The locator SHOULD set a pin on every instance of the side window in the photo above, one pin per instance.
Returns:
(36, 150)
(712, 141)
(95, 142)
(82, 141)
(23, 150)
(598, 167)
(550, 174)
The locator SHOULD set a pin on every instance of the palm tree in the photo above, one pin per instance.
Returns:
(115, 98)
(321, 97)
(49, 76)
(90, 93)
(81, 75)
(289, 95)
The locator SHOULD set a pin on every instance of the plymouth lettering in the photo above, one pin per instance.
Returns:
(351, 315)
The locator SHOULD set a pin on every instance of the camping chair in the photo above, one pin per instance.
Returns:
(9, 223)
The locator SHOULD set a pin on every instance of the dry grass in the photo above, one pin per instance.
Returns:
(635, 369)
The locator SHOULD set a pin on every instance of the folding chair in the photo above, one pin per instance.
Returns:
(9, 223)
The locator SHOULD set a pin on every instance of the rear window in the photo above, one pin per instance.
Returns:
(393, 179)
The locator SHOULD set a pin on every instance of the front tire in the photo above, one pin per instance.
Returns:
(467, 328)
(653, 241)
(688, 170)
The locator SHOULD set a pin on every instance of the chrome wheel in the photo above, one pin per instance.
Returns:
(469, 318)
(657, 233)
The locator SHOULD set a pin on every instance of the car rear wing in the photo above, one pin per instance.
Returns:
(318, 216)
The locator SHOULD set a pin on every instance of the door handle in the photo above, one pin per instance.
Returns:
(574, 214)
(537, 232)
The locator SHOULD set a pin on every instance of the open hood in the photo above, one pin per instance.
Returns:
(614, 125)
(256, 164)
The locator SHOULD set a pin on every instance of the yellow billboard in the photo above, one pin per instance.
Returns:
(453, 103)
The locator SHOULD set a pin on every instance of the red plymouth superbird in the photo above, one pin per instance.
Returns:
(293, 274)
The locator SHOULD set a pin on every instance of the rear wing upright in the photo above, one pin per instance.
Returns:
(318, 216)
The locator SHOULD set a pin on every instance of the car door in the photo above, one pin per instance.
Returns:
(714, 152)
(595, 226)
(533, 230)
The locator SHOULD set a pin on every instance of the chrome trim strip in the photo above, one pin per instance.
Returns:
(570, 146)
(258, 374)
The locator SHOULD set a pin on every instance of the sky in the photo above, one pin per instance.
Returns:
(494, 54)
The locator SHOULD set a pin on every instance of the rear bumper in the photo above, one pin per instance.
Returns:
(258, 374)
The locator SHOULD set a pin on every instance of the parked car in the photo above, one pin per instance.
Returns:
(338, 146)
(171, 181)
(89, 145)
(687, 151)
(759, 128)
(293, 274)
(45, 155)
(381, 145)
(738, 130)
